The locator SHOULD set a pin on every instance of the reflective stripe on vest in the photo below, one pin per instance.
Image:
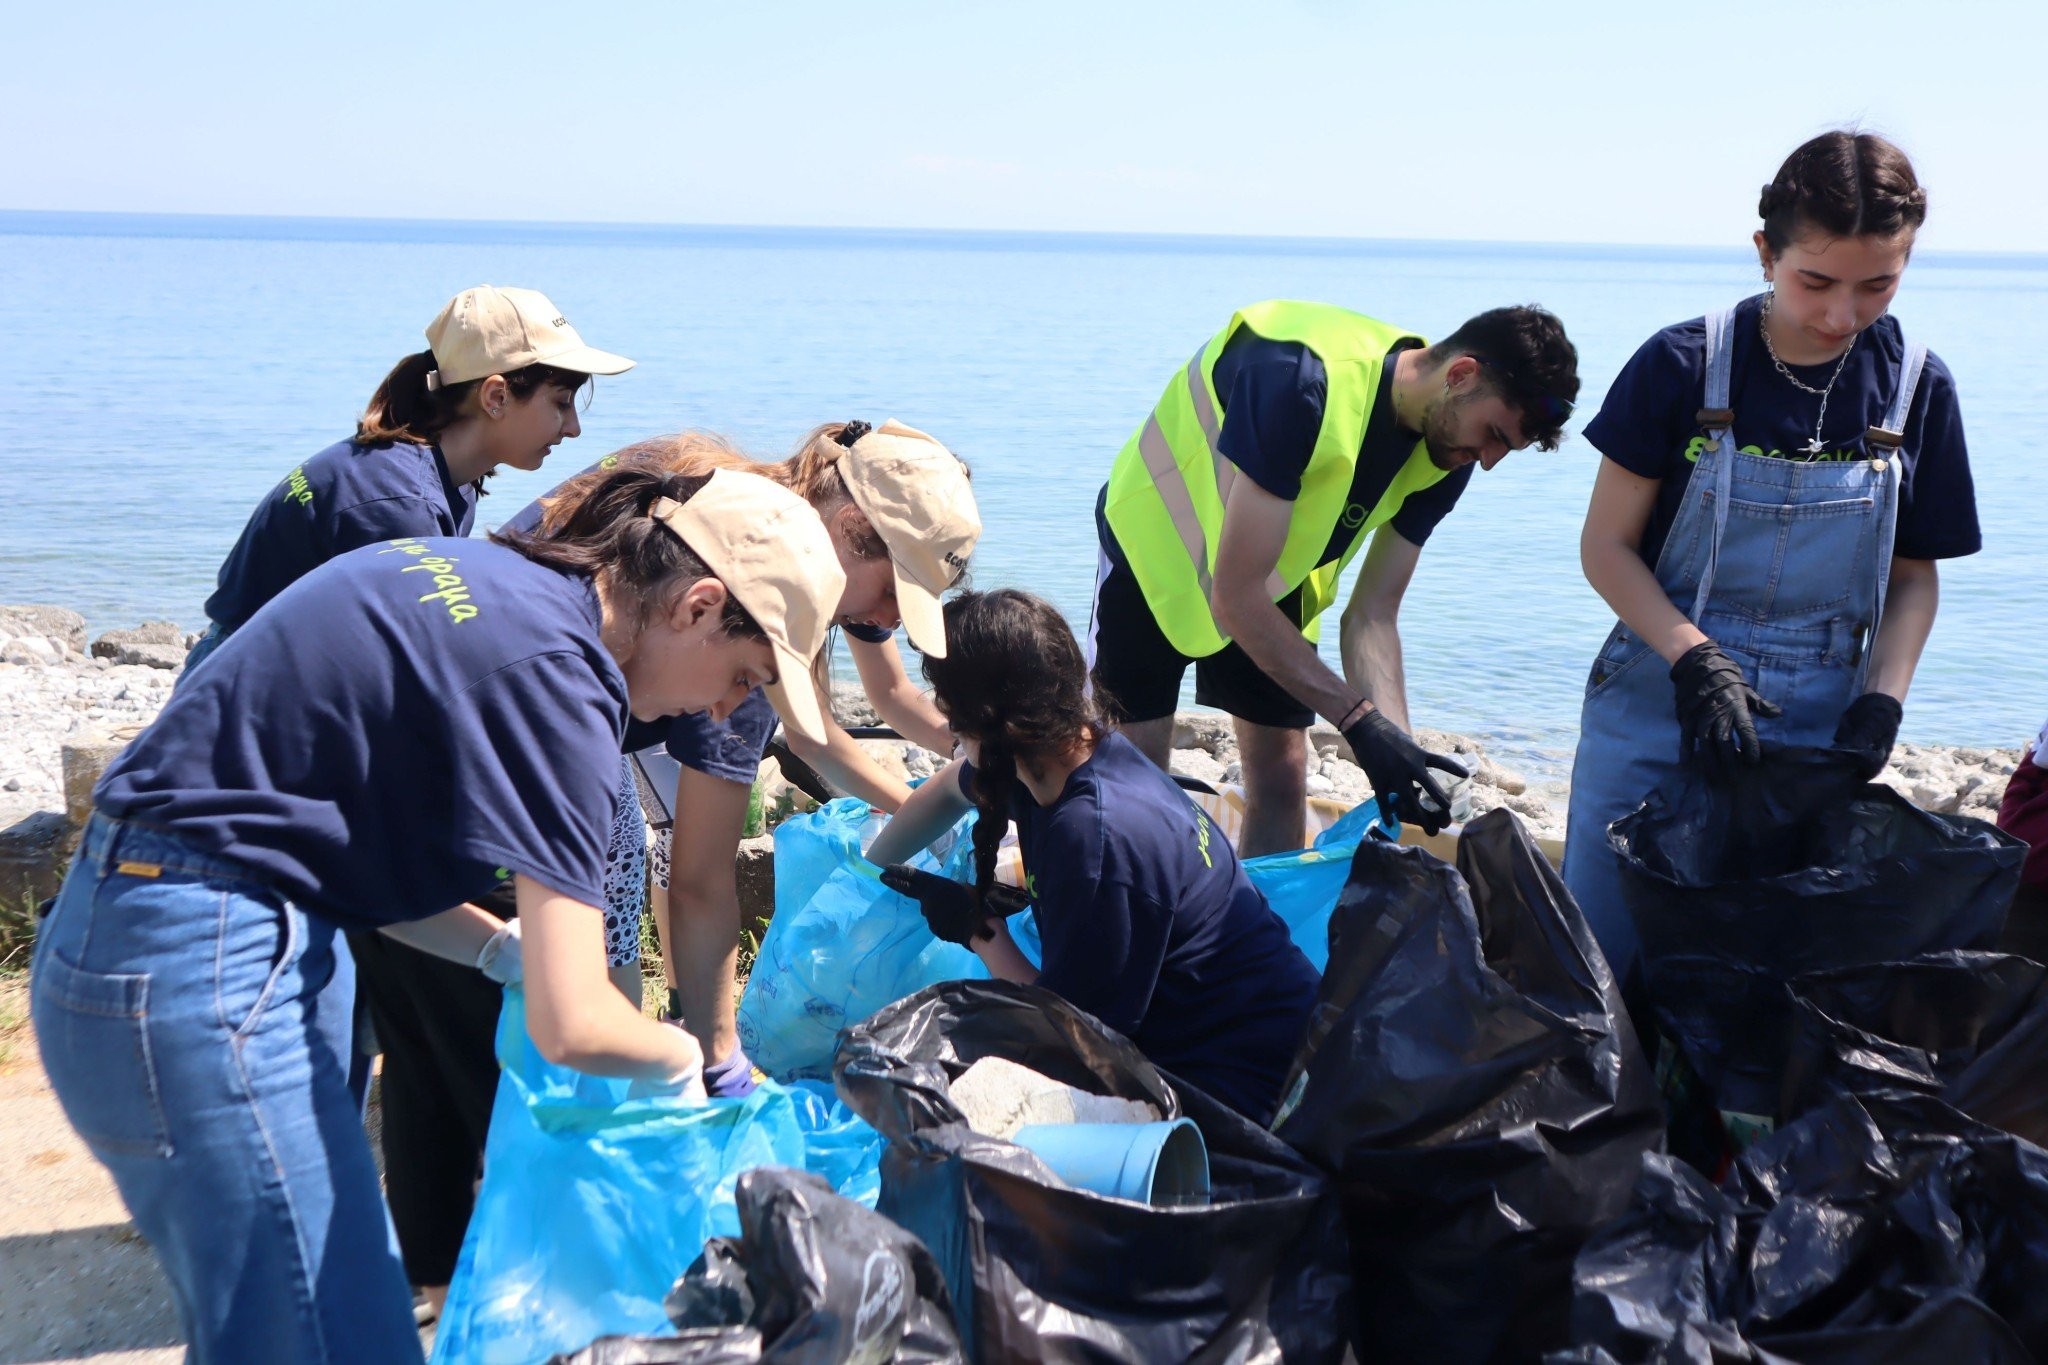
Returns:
(1168, 486)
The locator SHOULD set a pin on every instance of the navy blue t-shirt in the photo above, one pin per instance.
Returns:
(342, 499)
(394, 734)
(1150, 924)
(1649, 425)
(1272, 395)
(732, 748)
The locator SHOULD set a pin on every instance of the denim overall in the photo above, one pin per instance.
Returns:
(1783, 564)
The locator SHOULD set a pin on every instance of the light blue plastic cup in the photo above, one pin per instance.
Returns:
(1152, 1163)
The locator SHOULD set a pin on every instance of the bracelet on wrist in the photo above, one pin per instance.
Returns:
(1352, 716)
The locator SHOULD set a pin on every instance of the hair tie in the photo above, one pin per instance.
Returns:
(852, 432)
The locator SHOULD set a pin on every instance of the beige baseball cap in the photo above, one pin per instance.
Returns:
(917, 495)
(488, 330)
(772, 553)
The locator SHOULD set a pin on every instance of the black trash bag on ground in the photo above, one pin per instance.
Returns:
(812, 1276)
(1889, 1229)
(1473, 1083)
(1969, 1028)
(821, 1278)
(1042, 1271)
(1797, 865)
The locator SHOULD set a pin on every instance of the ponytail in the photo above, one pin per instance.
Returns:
(995, 786)
(404, 409)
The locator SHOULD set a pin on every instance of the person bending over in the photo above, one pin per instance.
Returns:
(1147, 917)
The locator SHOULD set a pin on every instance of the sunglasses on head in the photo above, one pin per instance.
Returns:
(1546, 408)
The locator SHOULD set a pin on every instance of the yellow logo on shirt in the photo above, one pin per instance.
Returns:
(296, 488)
(1202, 837)
(1698, 447)
(448, 585)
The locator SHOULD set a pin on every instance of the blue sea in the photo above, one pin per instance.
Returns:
(162, 373)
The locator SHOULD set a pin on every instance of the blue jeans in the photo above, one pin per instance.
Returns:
(196, 1027)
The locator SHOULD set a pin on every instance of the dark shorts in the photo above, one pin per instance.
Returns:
(731, 748)
(1137, 672)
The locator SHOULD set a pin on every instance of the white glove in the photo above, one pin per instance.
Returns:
(499, 957)
(688, 1086)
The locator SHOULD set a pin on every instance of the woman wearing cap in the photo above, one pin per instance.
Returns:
(901, 511)
(496, 386)
(382, 742)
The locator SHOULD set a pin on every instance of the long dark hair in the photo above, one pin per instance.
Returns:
(1846, 185)
(1015, 682)
(605, 532)
(404, 409)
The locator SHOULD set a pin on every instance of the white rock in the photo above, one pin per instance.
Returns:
(31, 649)
(999, 1096)
(1196, 763)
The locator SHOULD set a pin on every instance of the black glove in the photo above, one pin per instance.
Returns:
(1716, 710)
(1870, 727)
(1398, 768)
(952, 909)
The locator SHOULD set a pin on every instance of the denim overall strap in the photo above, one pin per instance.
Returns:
(1884, 444)
(1719, 421)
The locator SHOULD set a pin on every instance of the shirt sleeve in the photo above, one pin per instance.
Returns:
(1937, 498)
(535, 748)
(1419, 515)
(1272, 394)
(382, 519)
(1104, 946)
(1651, 405)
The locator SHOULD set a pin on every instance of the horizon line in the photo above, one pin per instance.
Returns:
(314, 227)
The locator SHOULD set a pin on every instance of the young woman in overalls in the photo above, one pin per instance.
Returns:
(389, 737)
(1779, 482)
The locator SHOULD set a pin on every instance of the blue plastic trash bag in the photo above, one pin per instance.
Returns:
(839, 1144)
(841, 944)
(1302, 887)
(592, 1203)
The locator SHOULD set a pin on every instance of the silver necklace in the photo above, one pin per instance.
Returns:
(1813, 447)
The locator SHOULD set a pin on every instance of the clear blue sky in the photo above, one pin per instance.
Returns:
(1600, 122)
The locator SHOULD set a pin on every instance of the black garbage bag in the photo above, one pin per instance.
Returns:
(812, 1276)
(1472, 1082)
(1042, 1271)
(1888, 1229)
(1970, 1028)
(821, 1278)
(1798, 865)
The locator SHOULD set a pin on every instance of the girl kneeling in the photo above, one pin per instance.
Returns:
(1147, 918)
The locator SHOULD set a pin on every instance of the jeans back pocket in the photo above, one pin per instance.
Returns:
(93, 1028)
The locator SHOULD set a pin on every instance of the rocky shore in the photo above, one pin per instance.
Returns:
(59, 688)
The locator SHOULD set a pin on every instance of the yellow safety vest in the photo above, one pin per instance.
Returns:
(1170, 481)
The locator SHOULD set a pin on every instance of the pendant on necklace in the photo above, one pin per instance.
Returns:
(1812, 447)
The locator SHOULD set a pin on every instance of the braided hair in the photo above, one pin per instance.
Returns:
(1015, 682)
(1843, 184)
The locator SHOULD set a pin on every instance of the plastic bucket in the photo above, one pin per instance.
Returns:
(1152, 1163)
